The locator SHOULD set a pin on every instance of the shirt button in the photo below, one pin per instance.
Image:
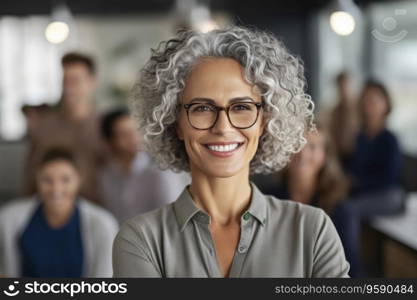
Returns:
(246, 216)
(242, 249)
(202, 218)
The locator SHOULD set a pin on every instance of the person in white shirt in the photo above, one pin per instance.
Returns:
(130, 183)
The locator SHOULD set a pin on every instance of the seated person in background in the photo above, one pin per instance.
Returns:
(344, 119)
(130, 184)
(376, 160)
(374, 170)
(314, 175)
(56, 233)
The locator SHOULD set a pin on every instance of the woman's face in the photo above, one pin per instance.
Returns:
(58, 184)
(374, 104)
(223, 150)
(312, 158)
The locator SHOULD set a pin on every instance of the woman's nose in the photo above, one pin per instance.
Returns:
(222, 123)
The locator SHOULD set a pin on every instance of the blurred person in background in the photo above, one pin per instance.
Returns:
(74, 122)
(376, 160)
(374, 173)
(313, 175)
(130, 183)
(344, 120)
(34, 114)
(56, 233)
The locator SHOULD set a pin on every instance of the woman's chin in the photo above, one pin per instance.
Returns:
(223, 171)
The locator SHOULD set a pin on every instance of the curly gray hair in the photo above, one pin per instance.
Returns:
(288, 110)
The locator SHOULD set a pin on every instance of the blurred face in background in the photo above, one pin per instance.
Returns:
(58, 184)
(125, 137)
(78, 84)
(374, 105)
(313, 156)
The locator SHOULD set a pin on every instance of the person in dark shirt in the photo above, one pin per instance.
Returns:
(375, 163)
(374, 170)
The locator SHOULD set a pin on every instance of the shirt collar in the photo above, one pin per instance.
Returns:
(185, 208)
(258, 205)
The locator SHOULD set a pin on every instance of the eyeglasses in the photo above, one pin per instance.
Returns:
(241, 115)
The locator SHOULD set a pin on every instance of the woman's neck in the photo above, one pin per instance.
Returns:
(224, 199)
(58, 217)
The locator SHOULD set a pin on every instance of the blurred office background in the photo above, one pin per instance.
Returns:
(374, 38)
(120, 34)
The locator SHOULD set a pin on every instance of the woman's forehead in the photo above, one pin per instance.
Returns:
(219, 79)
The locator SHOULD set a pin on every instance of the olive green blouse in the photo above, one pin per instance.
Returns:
(278, 238)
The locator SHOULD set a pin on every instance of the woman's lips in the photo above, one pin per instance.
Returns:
(223, 149)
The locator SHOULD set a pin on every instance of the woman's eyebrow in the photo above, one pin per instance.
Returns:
(233, 100)
(202, 100)
(240, 99)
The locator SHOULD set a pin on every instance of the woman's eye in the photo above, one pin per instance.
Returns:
(202, 108)
(242, 107)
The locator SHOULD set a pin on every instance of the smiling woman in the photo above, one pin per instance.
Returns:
(208, 133)
(223, 105)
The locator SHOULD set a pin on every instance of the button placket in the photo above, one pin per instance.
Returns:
(245, 228)
(243, 245)
(202, 222)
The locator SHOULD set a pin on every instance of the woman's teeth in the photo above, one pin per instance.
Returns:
(223, 148)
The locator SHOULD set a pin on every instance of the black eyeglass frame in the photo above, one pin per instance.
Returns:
(258, 106)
